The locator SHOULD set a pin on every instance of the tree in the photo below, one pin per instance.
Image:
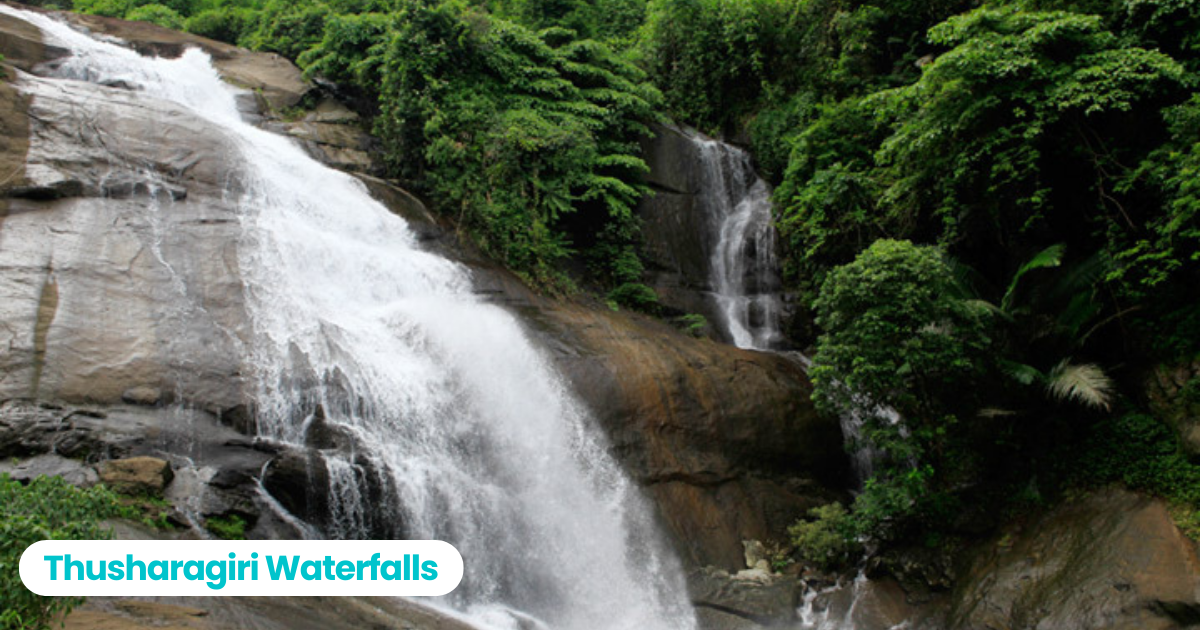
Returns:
(903, 353)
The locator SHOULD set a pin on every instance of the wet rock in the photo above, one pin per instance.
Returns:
(29, 429)
(923, 571)
(1111, 560)
(862, 604)
(22, 46)
(769, 600)
(676, 235)
(726, 440)
(342, 144)
(136, 475)
(713, 619)
(278, 82)
(90, 297)
(72, 470)
(299, 480)
(142, 395)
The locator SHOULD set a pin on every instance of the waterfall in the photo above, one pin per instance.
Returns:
(744, 268)
(451, 424)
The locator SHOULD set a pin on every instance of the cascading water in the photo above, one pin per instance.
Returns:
(456, 428)
(745, 272)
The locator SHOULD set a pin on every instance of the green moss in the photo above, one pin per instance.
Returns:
(227, 526)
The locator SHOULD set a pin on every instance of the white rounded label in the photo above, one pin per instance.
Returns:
(241, 567)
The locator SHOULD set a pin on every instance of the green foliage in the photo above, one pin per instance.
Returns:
(227, 526)
(895, 335)
(150, 511)
(157, 14)
(1139, 451)
(827, 539)
(48, 508)
(529, 139)
(635, 295)
(351, 50)
(972, 135)
(288, 27)
(227, 24)
(692, 324)
(826, 203)
(109, 8)
(606, 20)
(897, 340)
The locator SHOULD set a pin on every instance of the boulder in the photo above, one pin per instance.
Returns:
(136, 475)
(50, 464)
(1111, 560)
(769, 601)
(860, 604)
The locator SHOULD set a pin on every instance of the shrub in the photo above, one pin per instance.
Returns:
(157, 14)
(827, 539)
(48, 508)
(226, 25)
(636, 296)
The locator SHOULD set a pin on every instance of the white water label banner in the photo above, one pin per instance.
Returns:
(241, 567)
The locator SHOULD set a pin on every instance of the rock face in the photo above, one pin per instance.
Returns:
(123, 200)
(1113, 560)
(677, 237)
(1174, 395)
(726, 440)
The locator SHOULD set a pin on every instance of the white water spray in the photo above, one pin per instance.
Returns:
(458, 428)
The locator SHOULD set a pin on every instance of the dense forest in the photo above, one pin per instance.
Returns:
(988, 212)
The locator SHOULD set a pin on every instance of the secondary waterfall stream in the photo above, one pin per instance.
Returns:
(745, 271)
(450, 423)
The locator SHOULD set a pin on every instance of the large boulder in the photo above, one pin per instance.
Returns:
(771, 601)
(1112, 560)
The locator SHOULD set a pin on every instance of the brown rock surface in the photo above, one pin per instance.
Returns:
(1112, 560)
(137, 475)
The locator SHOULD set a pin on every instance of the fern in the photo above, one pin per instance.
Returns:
(1085, 383)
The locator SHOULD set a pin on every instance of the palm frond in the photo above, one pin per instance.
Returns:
(1050, 257)
(1085, 383)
